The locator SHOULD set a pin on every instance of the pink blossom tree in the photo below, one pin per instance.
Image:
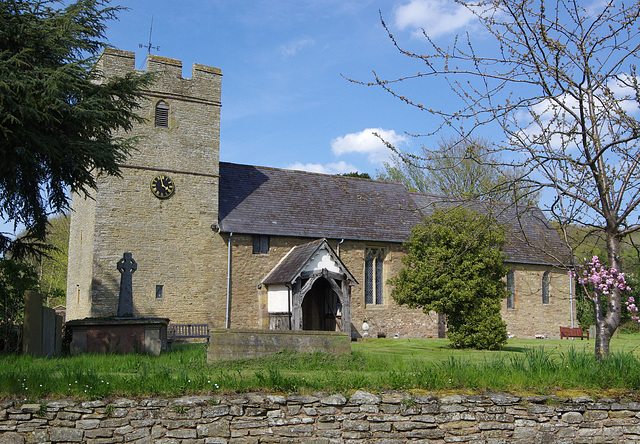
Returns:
(556, 84)
(600, 282)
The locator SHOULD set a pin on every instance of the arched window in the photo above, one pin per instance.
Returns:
(374, 276)
(545, 287)
(162, 114)
(511, 288)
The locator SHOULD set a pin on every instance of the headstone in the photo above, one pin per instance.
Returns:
(126, 266)
(42, 328)
(48, 325)
(32, 326)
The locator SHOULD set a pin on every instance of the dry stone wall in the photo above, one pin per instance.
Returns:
(390, 417)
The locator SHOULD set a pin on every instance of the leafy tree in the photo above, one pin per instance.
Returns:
(15, 279)
(557, 80)
(52, 267)
(58, 125)
(356, 174)
(454, 266)
(405, 170)
(467, 169)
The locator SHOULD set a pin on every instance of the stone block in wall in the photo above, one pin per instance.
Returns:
(236, 344)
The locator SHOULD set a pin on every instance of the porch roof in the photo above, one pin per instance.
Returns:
(296, 260)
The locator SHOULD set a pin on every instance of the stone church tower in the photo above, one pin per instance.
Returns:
(163, 207)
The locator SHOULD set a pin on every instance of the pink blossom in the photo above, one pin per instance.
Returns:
(605, 281)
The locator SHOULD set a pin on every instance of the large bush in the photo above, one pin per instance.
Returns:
(454, 265)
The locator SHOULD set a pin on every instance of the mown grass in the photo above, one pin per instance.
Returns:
(526, 366)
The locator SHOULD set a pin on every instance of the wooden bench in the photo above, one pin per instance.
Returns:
(568, 332)
(178, 332)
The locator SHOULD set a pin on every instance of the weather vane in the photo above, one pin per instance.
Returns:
(149, 46)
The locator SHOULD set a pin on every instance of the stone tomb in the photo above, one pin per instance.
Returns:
(122, 333)
(119, 335)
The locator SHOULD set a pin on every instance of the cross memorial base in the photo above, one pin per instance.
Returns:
(118, 335)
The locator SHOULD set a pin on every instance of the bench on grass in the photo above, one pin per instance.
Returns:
(179, 332)
(568, 332)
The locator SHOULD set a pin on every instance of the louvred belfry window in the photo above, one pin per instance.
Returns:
(162, 114)
(374, 276)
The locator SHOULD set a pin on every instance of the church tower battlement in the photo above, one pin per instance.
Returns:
(183, 115)
(204, 83)
(162, 207)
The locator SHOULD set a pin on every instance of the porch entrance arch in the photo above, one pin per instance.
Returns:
(318, 290)
(322, 308)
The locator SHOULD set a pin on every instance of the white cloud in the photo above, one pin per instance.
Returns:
(366, 142)
(624, 90)
(436, 17)
(292, 48)
(330, 168)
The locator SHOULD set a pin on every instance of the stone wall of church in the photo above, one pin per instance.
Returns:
(80, 258)
(171, 239)
(249, 303)
(530, 316)
(387, 319)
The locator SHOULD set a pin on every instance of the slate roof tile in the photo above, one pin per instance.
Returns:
(271, 201)
(530, 237)
(295, 203)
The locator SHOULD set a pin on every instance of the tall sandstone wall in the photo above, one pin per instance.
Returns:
(171, 239)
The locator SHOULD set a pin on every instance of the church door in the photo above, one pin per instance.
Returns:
(320, 308)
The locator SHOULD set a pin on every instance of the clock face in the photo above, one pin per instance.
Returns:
(162, 186)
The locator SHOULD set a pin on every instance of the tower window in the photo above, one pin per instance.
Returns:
(162, 114)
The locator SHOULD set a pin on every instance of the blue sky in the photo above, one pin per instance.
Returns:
(285, 100)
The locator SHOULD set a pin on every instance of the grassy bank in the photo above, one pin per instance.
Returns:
(531, 366)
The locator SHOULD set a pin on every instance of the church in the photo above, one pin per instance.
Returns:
(250, 247)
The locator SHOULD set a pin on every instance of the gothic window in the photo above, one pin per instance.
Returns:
(374, 276)
(511, 289)
(260, 244)
(545, 287)
(162, 114)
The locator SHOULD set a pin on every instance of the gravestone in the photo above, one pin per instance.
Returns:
(126, 266)
(42, 328)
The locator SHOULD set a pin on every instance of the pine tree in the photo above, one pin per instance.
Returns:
(57, 124)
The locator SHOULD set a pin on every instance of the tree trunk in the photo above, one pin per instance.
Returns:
(603, 337)
(607, 325)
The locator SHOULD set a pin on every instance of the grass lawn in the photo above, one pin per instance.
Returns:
(434, 350)
(523, 366)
